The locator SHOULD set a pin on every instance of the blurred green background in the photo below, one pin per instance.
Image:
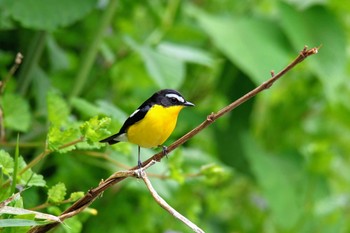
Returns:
(278, 163)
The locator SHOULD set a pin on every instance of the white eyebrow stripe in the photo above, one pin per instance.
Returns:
(179, 98)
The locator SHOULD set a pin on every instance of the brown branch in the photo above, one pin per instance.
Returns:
(94, 193)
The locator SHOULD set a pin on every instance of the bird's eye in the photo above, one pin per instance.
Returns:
(173, 100)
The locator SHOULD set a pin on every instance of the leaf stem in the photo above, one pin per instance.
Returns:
(15, 169)
(91, 53)
(34, 52)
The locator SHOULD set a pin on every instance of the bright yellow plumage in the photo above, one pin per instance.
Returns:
(155, 128)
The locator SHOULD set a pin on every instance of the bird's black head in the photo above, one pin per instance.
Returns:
(169, 97)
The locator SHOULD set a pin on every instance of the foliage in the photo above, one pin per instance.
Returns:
(279, 163)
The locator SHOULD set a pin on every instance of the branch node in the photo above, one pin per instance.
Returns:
(272, 72)
(19, 58)
(211, 117)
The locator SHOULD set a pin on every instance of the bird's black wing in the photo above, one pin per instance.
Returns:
(136, 116)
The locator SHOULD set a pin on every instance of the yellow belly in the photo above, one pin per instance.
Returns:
(155, 128)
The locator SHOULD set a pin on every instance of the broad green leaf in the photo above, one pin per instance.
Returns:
(314, 27)
(166, 71)
(29, 178)
(6, 162)
(277, 180)
(74, 225)
(57, 193)
(6, 22)
(58, 57)
(50, 14)
(255, 45)
(185, 53)
(16, 111)
(58, 110)
(21, 211)
(20, 223)
(84, 107)
(111, 110)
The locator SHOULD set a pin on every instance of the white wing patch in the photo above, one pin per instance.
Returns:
(133, 114)
(121, 138)
(179, 98)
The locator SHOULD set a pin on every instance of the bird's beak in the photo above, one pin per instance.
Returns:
(188, 104)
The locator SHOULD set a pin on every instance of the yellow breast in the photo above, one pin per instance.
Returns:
(155, 128)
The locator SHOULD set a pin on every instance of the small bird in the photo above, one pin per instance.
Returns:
(152, 123)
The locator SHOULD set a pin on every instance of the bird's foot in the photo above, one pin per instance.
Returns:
(138, 172)
(165, 151)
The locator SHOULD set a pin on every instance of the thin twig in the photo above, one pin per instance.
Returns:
(16, 64)
(94, 193)
(167, 207)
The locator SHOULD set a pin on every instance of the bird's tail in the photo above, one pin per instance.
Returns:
(111, 140)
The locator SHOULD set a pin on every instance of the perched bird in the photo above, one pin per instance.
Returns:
(152, 123)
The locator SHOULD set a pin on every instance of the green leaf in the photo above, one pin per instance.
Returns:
(255, 45)
(185, 53)
(84, 107)
(16, 112)
(6, 162)
(29, 178)
(214, 173)
(21, 211)
(317, 26)
(58, 57)
(277, 178)
(76, 196)
(58, 136)
(74, 225)
(58, 109)
(57, 193)
(15, 167)
(50, 14)
(166, 71)
(20, 223)
(94, 129)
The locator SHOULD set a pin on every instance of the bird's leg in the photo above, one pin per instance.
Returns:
(139, 164)
(165, 150)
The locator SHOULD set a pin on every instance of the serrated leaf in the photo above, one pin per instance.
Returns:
(16, 112)
(6, 162)
(57, 193)
(76, 196)
(58, 137)
(49, 14)
(94, 129)
(30, 178)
